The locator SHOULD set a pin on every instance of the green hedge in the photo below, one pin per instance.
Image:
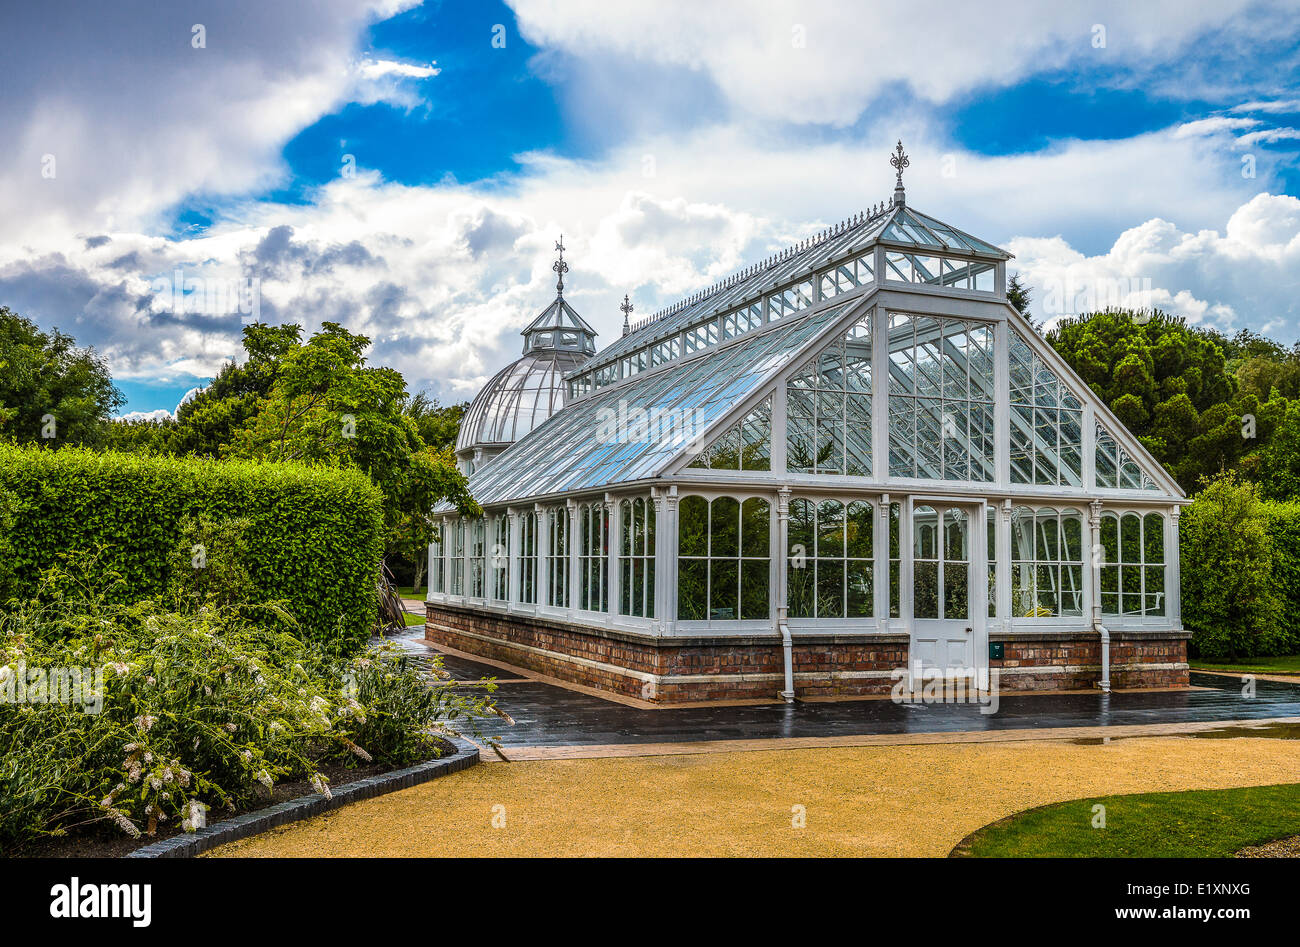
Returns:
(1283, 524)
(314, 536)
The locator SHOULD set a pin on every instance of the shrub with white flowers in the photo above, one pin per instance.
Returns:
(202, 709)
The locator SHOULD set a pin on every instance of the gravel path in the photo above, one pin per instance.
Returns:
(888, 800)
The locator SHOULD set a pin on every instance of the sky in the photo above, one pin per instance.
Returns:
(173, 172)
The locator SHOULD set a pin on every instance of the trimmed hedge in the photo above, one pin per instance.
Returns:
(314, 536)
(1283, 524)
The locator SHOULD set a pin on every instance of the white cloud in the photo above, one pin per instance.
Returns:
(1212, 125)
(1244, 276)
(1269, 136)
(442, 278)
(822, 61)
(160, 414)
(1276, 106)
(174, 120)
(378, 68)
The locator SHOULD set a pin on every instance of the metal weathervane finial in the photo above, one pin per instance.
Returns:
(627, 308)
(899, 161)
(560, 266)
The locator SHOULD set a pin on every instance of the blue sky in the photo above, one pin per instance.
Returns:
(388, 166)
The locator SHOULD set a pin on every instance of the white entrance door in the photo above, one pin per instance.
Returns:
(949, 591)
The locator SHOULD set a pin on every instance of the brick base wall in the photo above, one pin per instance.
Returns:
(1072, 661)
(751, 667)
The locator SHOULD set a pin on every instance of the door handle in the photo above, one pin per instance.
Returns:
(969, 630)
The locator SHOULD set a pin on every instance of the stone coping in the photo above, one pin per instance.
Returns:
(800, 637)
(189, 844)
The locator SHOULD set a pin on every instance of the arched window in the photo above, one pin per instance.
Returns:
(1133, 567)
(637, 558)
(557, 558)
(456, 557)
(1046, 563)
(436, 563)
(478, 558)
(593, 553)
(723, 559)
(528, 558)
(499, 559)
(831, 559)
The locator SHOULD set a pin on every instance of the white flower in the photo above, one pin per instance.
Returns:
(265, 779)
(145, 721)
(319, 784)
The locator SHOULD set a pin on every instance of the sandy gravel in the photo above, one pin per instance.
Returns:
(892, 800)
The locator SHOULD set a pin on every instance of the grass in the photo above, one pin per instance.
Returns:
(1206, 823)
(414, 619)
(1285, 664)
(411, 591)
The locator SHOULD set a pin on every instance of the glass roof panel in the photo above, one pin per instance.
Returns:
(632, 432)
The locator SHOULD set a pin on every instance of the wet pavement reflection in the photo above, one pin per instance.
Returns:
(547, 715)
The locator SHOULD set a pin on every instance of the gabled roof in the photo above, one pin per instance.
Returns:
(634, 432)
(894, 225)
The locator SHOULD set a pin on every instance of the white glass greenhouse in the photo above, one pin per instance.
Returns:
(851, 458)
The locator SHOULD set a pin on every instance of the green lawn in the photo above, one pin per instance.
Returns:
(1287, 664)
(414, 619)
(1202, 823)
(410, 591)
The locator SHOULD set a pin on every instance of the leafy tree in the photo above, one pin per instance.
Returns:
(51, 390)
(1229, 597)
(1170, 385)
(326, 406)
(438, 425)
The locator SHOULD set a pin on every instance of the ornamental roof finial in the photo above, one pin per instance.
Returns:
(627, 308)
(899, 161)
(560, 267)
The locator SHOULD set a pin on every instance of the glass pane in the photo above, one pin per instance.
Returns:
(724, 522)
(925, 594)
(830, 588)
(859, 579)
(754, 589)
(692, 589)
(756, 528)
(693, 524)
(724, 589)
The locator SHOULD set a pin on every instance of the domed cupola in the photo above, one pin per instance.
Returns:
(528, 391)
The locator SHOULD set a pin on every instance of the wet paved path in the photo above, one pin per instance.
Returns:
(547, 715)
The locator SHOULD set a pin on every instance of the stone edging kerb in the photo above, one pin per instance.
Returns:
(243, 826)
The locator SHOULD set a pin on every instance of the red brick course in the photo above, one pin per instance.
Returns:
(824, 666)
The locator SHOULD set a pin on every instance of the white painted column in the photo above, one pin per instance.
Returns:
(1088, 444)
(780, 413)
(880, 394)
(1004, 564)
(1002, 404)
(575, 543)
(614, 545)
(880, 568)
(542, 542)
(1173, 570)
(515, 540)
(781, 560)
(1095, 556)
(666, 560)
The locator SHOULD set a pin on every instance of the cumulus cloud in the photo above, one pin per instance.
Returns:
(443, 277)
(85, 154)
(1242, 276)
(821, 61)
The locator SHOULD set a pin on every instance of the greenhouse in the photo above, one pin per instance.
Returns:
(849, 465)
